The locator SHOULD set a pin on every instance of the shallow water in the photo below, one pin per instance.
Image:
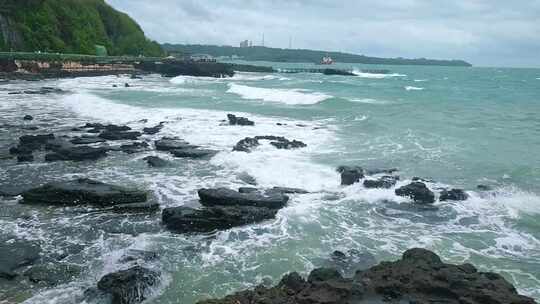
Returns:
(459, 126)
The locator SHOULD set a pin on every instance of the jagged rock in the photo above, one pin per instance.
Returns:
(350, 175)
(21, 158)
(135, 147)
(240, 121)
(86, 140)
(77, 153)
(228, 197)
(28, 117)
(193, 153)
(120, 135)
(384, 182)
(52, 274)
(16, 254)
(247, 189)
(157, 162)
(351, 261)
(418, 192)
(129, 286)
(82, 191)
(418, 277)
(168, 144)
(380, 171)
(246, 144)
(184, 219)
(110, 127)
(453, 195)
(153, 130)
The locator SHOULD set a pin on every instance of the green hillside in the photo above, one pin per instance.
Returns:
(71, 26)
(259, 53)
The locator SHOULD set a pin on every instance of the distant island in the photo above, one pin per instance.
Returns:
(71, 26)
(260, 53)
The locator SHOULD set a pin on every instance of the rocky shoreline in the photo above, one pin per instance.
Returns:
(418, 277)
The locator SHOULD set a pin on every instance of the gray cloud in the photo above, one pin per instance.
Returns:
(484, 32)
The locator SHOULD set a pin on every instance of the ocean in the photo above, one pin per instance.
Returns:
(457, 127)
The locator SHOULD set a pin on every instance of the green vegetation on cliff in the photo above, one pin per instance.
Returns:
(71, 26)
(259, 53)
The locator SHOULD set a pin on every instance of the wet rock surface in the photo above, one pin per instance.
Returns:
(81, 192)
(240, 121)
(193, 153)
(135, 147)
(168, 144)
(229, 197)
(418, 277)
(52, 274)
(418, 192)
(76, 153)
(385, 182)
(129, 286)
(453, 195)
(156, 162)
(185, 220)
(120, 135)
(350, 175)
(280, 142)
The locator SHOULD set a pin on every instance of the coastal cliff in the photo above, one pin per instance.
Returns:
(71, 26)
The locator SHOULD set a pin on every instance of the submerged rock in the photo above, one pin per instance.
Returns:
(82, 191)
(418, 192)
(21, 158)
(156, 162)
(350, 175)
(17, 254)
(153, 130)
(129, 286)
(133, 255)
(228, 197)
(52, 274)
(453, 195)
(240, 121)
(347, 263)
(28, 117)
(418, 277)
(86, 140)
(184, 219)
(77, 153)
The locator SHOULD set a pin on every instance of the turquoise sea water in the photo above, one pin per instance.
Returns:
(460, 127)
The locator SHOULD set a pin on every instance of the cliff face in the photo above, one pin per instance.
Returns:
(70, 26)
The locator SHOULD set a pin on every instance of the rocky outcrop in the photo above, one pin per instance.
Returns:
(453, 195)
(77, 153)
(228, 197)
(120, 135)
(387, 181)
(193, 153)
(350, 175)
(82, 192)
(185, 220)
(156, 162)
(418, 277)
(418, 192)
(135, 147)
(129, 286)
(171, 143)
(153, 130)
(248, 143)
(86, 140)
(240, 121)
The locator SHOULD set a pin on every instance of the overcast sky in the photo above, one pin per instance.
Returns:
(483, 32)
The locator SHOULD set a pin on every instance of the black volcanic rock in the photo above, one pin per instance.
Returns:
(153, 130)
(419, 277)
(81, 192)
(135, 147)
(185, 220)
(387, 181)
(228, 197)
(418, 192)
(129, 286)
(248, 143)
(120, 135)
(168, 144)
(240, 121)
(28, 117)
(86, 140)
(453, 195)
(350, 175)
(193, 153)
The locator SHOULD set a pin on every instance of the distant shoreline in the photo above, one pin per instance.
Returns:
(260, 53)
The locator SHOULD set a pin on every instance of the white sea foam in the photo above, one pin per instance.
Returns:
(368, 100)
(420, 80)
(287, 96)
(376, 75)
(411, 88)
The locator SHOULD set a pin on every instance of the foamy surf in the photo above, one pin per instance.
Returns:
(286, 96)
(376, 75)
(411, 88)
